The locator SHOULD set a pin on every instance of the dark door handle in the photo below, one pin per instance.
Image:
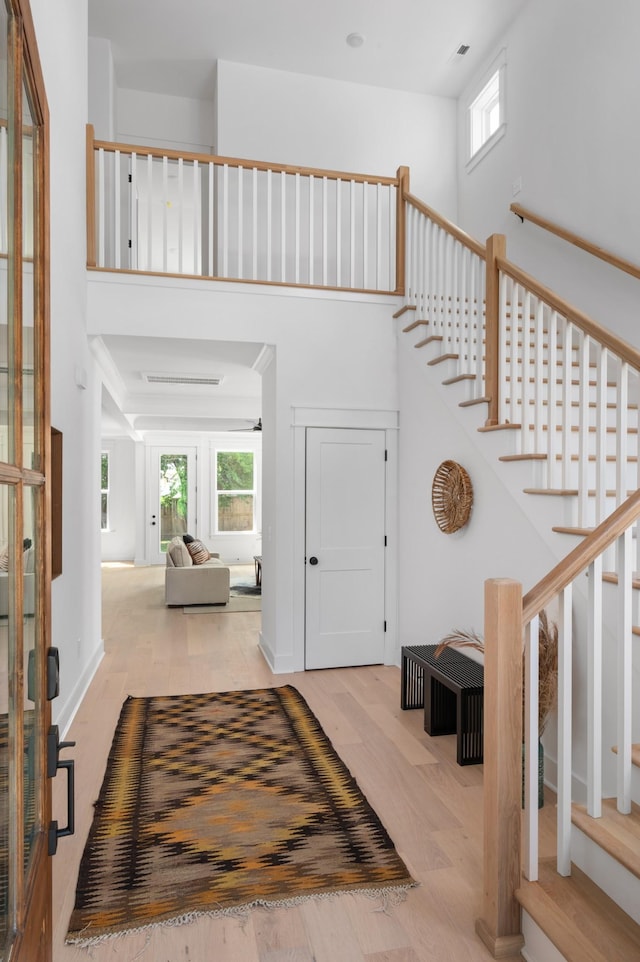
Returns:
(313, 561)
(54, 745)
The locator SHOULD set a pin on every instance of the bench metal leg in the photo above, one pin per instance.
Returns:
(411, 684)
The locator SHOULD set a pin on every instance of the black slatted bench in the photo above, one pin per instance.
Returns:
(451, 690)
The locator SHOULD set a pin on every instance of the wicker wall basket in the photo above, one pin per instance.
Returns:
(451, 496)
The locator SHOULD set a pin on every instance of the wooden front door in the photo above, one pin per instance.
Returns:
(25, 458)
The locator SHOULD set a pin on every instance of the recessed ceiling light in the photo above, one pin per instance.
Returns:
(355, 39)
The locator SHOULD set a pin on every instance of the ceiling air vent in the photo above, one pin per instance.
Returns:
(205, 379)
(462, 49)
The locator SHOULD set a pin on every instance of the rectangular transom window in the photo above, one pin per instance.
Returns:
(104, 488)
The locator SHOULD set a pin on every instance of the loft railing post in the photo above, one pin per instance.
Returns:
(499, 927)
(401, 227)
(91, 198)
(496, 247)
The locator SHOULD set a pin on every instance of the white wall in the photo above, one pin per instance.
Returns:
(572, 136)
(309, 121)
(330, 352)
(102, 89)
(160, 120)
(61, 31)
(119, 542)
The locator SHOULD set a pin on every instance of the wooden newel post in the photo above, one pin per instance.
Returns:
(401, 227)
(499, 927)
(496, 247)
(91, 198)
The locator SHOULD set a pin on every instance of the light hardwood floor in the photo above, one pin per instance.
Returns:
(431, 807)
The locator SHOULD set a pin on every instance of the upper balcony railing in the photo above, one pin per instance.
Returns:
(160, 211)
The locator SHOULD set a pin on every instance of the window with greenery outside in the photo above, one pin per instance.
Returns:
(104, 488)
(235, 490)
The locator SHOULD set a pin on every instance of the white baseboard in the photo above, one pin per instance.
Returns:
(279, 665)
(66, 713)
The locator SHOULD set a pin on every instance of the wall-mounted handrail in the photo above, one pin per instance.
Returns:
(590, 327)
(620, 262)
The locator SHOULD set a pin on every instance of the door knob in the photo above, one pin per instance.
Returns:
(313, 561)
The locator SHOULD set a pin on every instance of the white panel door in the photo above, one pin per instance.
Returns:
(345, 524)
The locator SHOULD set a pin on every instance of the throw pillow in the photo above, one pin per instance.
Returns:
(199, 553)
(188, 538)
(4, 559)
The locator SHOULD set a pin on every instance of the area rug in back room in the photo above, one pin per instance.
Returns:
(218, 803)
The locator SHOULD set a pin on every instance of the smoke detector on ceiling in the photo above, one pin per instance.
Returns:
(207, 380)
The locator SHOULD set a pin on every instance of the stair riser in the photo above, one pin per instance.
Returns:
(537, 947)
(619, 884)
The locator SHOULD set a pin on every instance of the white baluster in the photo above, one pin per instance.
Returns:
(180, 215)
(594, 689)
(324, 232)
(622, 432)
(254, 225)
(624, 672)
(133, 214)
(601, 432)
(583, 430)
(527, 375)
(197, 210)
(365, 236)
(553, 440)
(211, 218)
(269, 224)
(116, 210)
(165, 212)
(239, 269)
(297, 229)
(564, 732)
(150, 194)
(566, 369)
(311, 224)
(283, 226)
(539, 391)
(379, 238)
(338, 232)
(352, 233)
(531, 672)
(225, 220)
(506, 295)
(102, 223)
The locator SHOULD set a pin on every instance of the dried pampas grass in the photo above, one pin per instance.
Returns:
(547, 660)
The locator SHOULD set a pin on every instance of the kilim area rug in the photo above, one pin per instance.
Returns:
(216, 803)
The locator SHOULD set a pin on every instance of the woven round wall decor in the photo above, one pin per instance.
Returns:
(451, 496)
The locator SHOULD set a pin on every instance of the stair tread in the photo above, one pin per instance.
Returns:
(567, 529)
(583, 923)
(617, 834)
(474, 400)
(500, 427)
(459, 377)
(404, 309)
(428, 340)
(612, 578)
(441, 358)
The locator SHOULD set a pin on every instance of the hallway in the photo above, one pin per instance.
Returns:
(431, 807)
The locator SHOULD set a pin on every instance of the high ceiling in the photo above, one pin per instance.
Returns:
(164, 47)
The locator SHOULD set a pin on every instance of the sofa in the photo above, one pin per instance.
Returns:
(187, 583)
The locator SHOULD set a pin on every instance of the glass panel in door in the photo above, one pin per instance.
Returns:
(28, 288)
(31, 711)
(173, 498)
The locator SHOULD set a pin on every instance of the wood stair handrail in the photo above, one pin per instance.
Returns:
(447, 225)
(581, 557)
(594, 330)
(620, 262)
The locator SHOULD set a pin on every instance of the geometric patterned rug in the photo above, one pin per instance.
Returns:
(217, 803)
